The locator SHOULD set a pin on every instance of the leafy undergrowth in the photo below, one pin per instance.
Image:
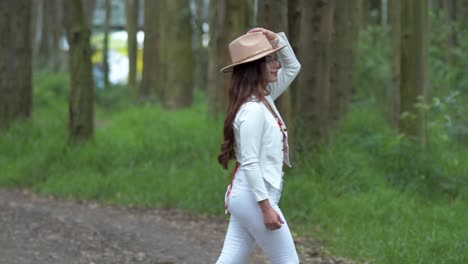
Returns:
(369, 195)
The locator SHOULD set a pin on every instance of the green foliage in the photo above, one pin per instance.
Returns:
(372, 74)
(361, 194)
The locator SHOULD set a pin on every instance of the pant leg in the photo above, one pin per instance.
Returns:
(278, 244)
(238, 244)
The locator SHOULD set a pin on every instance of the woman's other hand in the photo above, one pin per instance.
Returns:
(269, 34)
(271, 218)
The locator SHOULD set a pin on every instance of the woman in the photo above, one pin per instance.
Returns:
(263, 66)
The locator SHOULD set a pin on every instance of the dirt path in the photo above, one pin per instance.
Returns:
(42, 230)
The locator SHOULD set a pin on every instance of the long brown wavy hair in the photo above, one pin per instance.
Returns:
(247, 79)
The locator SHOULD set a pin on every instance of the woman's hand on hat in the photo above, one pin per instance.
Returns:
(268, 33)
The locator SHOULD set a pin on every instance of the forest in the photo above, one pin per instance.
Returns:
(122, 102)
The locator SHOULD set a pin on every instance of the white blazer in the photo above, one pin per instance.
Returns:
(259, 145)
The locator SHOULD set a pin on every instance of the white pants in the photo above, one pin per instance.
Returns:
(246, 228)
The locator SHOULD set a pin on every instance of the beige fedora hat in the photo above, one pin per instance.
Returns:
(249, 47)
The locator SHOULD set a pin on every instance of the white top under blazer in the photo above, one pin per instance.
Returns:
(259, 140)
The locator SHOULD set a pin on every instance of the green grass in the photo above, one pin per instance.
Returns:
(345, 194)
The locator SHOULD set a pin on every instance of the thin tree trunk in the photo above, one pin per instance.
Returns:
(344, 47)
(451, 41)
(56, 32)
(105, 51)
(15, 61)
(294, 25)
(131, 11)
(314, 80)
(81, 108)
(199, 17)
(179, 86)
(45, 40)
(152, 49)
(216, 93)
(365, 14)
(414, 67)
(395, 34)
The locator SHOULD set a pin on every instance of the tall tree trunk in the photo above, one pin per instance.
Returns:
(105, 51)
(56, 33)
(151, 51)
(345, 41)
(227, 22)
(395, 33)
(251, 12)
(81, 108)
(365, 14)
(15, 61)
(314, 80)
(36, 26)
(414, 66)
(48, 52)
(89, 6)
(462, 11)
(451, 41)
(131, 12)
(273, 15)
(199, 17)
(45, 40)
(179, 85)
(294, 25)
(216, 92)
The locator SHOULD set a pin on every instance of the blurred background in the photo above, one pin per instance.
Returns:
(121, 101)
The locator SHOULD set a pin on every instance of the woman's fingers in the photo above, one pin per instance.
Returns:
(280, 220)
(275, 221)
(257, 29)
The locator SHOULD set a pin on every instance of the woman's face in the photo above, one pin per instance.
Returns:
(272, 65)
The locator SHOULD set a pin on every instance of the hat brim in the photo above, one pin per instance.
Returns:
(256, 57)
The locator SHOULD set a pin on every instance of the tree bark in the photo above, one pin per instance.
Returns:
(45, 40)
(294, 25)
(131, 12)
(105, 51)
(414, 67)
(395, 34)
(345, 41)
(200, 16)
(15, 61)
(179, 85)
(48, 53)
(89, 6)
(227, 22)
(81, 108)
(462, 11)
(152, 49)
(451, 41)
(314, 80)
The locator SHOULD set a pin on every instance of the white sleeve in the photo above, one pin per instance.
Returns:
(290, 67)
(251, 123)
